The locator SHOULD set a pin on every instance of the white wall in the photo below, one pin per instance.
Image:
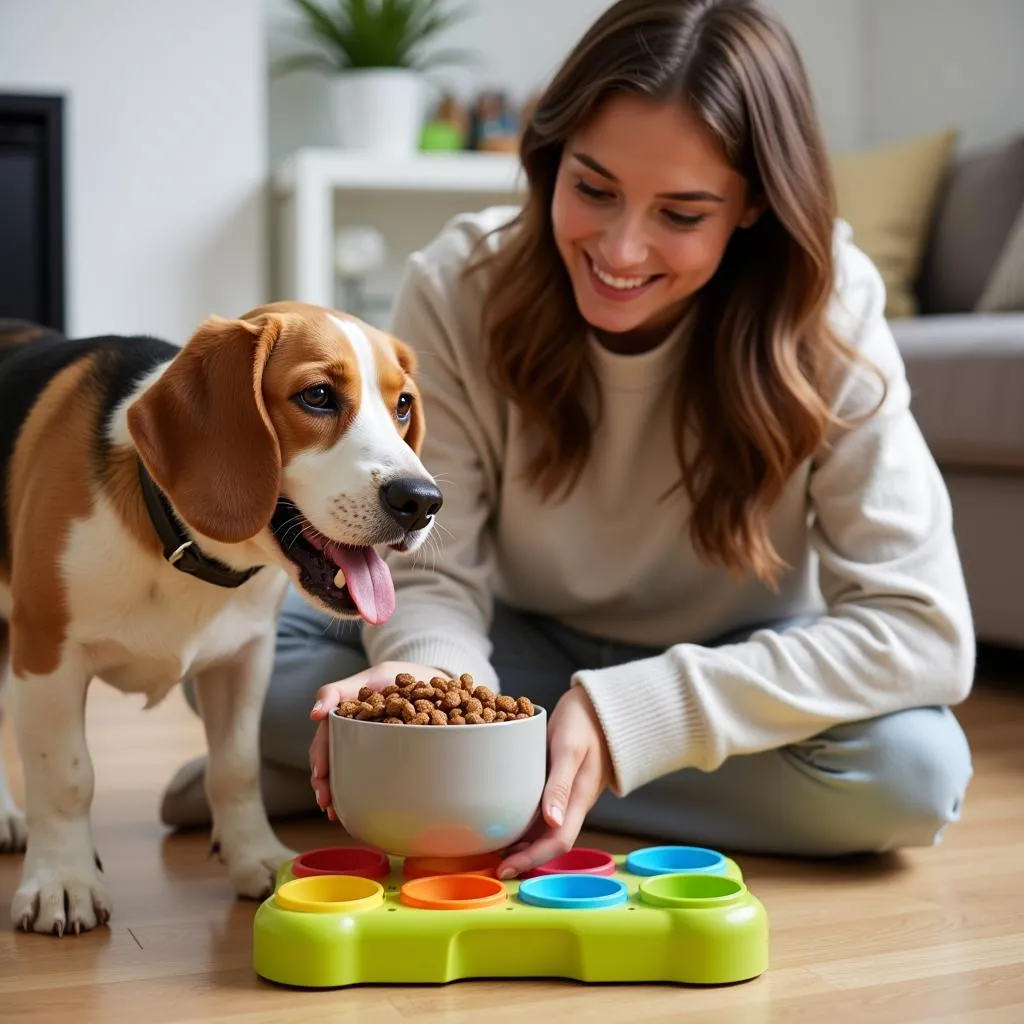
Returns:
(166, 153)
(829, 35)
(932, 64)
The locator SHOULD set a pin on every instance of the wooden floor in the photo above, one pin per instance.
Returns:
(933, 935)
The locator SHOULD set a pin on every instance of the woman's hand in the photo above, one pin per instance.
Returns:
(580, 770)
(329, 697)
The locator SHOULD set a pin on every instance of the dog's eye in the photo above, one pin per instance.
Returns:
(404, 406)
(319, 397)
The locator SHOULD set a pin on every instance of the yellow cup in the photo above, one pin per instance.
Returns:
(330, 894)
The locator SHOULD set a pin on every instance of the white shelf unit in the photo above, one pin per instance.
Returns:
(307, 184)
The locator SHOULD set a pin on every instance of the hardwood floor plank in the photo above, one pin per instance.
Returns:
(936, 959)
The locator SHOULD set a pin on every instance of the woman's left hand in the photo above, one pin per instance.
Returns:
(580, 770)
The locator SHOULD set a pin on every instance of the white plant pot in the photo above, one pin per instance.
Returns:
(379, 110)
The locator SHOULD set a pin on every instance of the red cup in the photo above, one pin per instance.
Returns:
(342, 860)
(580, 860)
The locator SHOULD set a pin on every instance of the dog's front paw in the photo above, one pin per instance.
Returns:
(61, 899)
(13, 832)
(253, 872)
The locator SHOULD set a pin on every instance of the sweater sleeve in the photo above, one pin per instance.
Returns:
(896, 631)
(444, 607)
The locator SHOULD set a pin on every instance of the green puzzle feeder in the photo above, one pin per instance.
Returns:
(350, 915)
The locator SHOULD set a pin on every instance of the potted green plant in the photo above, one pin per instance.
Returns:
(375, 52)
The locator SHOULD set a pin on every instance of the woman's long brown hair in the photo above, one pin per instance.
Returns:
(753, 388)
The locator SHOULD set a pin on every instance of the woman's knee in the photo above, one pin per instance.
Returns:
(924, 766)
(904, 776)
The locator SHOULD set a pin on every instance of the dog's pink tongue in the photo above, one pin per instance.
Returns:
(369, 581)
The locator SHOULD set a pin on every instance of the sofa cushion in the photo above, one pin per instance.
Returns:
(887, 194)
(981, 198)
(966, 374)
(1005, 289)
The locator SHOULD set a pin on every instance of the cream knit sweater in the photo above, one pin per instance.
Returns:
(865, 525)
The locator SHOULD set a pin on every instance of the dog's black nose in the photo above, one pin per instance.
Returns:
(411, 501)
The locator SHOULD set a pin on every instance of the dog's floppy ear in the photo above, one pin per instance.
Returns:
(203, 432)
(417, 421)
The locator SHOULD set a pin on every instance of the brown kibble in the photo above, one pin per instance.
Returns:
(455, 701)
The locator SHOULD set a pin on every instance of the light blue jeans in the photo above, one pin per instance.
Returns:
(864, 787)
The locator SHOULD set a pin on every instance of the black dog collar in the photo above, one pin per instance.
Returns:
(179, 548)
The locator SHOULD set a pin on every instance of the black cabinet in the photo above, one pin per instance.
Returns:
(32, 257)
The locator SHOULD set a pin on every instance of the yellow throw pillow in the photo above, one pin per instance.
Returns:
(888, 196)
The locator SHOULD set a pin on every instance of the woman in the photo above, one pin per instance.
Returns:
(687, 508)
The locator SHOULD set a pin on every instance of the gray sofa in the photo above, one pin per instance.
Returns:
(964, 354)
(966, 372)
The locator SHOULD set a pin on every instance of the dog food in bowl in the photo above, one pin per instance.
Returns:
(410, 701)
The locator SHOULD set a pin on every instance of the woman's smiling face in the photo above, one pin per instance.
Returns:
(644, 205)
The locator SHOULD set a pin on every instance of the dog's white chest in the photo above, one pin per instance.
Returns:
(126, 671)
(156, 644)
(145, 627)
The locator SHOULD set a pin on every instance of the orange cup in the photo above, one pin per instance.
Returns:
(423, 867)
(453, 892)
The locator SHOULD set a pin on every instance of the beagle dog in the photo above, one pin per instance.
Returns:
(156, 502)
